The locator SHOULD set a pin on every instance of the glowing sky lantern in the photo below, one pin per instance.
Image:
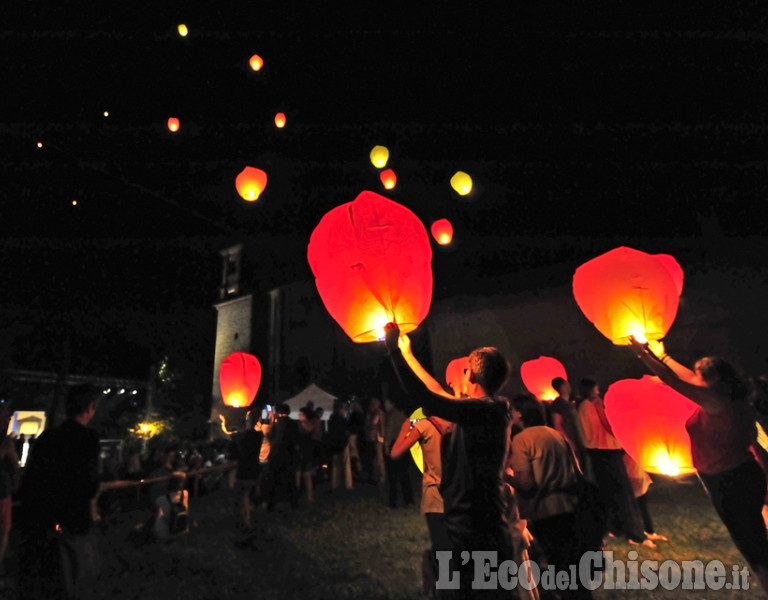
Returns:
(388, 179)
(454, 375)
(648, 418)
(280, 120)
(173, 124)
(250, 183)
(461, 183)
(379, 156)
(239, 379)
(628, 292)
(538, 374)
(183, 30)
(442, 231)
(371, 259)
(256, 62)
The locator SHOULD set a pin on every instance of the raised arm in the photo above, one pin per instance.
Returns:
(679, 378)
(404, 343)
(407, 437)
(445, 407)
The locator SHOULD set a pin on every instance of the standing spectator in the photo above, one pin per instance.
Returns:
(337, 447)
(60, 480)
(306, 452)
(282, 459)
(563, 417)
(356, 441)
(248, 468)
(545, 478)
(375, 440)
(397, 464)
(9, 479)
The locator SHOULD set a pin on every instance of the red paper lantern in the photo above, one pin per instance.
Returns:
(628, 292)
(239, 379)
(371, 260)
(388, 179)
(648, 418)
(173, 124)
(280, 120)
(538, 374)
(454, 375)
(250, 183)
(442, 231)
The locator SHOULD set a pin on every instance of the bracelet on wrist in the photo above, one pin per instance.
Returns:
(664, 358)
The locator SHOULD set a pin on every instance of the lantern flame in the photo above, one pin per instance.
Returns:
(256, 62)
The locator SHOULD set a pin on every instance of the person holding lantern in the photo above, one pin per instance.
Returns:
(473, 461)
(729, 472)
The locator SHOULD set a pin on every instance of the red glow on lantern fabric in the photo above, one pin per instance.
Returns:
(173, 124)
(280, 120)
(538, 374)
(454, 375)
(648, 418)
(628, 292)
(388, 179)
(442, 231)
(371, 259)
(250, 183)
(239, 379)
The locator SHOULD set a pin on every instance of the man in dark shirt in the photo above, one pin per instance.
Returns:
(60, 479)
(475, 456)
(282, 458)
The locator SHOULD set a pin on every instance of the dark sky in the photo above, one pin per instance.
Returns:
(582, 126)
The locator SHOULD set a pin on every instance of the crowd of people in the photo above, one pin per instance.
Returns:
(504, 475)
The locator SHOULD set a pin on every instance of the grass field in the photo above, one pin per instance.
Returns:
(352, 545)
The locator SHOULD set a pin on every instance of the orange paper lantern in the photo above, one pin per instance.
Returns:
(648, 418)
(256, 62)
(239, 379)
(173, 124)
(628, 292)
(442, 231)
(371, 260)
(388, 179)
(280, 120)
(538, 374)
(454, 375)
(250, 183)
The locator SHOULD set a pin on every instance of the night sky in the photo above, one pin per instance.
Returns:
(583, 127)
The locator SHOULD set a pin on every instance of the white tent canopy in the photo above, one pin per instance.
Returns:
(318, 396)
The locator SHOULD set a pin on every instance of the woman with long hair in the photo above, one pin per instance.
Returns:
(722, 429)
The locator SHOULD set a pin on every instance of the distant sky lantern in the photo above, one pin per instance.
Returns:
(239, 379)
(39, 144)
(442, 231)
(182, 29)
(280, 120)
(371, 259)
(388, 179)
(256, 62)
(538, 374)
(461, 183)
(379, 156)
(454, 375)
(173, 124)
(628, 292)
(648, 418)
(251, 183)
